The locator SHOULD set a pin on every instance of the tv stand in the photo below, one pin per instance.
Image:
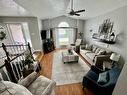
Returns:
(48, 46)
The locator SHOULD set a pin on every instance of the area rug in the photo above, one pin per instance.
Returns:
(68, 73)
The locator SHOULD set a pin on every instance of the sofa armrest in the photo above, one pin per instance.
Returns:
(29, 79)
(50, 87)
(99, 60)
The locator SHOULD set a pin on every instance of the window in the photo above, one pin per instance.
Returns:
(19, 33)
(16, 33)
(63, 34)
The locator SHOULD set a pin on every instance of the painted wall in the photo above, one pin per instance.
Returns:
(40, 25)
(119, 17)
(121, 86)
(33, 28)
(55, 22)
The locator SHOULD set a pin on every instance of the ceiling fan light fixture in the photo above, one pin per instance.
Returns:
(72, 12)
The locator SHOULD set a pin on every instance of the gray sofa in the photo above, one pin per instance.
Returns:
(95, 55)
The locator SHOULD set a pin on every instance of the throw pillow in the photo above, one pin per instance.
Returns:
(15, 89)
(83, 46)
(108, 52)
(94, 48)
(97, 50)
(103, 78)
(101, 52)
(88, 47)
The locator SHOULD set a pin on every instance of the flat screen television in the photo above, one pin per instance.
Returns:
(43, 34)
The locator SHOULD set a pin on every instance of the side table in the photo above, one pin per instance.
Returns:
(107, 65)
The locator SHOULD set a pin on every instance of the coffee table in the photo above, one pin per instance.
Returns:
(70, 57)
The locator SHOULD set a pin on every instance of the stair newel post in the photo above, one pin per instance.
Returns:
(30, 50)
(10, 71)
(8, 64)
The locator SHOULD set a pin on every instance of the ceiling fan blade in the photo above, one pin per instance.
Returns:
(77, 14)
(79, 11)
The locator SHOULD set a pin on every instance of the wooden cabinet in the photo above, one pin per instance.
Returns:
(48, 46)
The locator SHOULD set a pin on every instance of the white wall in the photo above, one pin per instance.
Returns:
(56, 21)
(119, 17)
(40, 25)
(33, 28)
(121, 86)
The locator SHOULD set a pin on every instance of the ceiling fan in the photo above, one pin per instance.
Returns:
(72, 12)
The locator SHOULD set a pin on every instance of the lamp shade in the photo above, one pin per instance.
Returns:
(115, 57)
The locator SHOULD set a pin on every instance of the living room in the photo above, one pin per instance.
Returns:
(65, 45)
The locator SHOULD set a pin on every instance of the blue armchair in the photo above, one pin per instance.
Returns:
(90, 81)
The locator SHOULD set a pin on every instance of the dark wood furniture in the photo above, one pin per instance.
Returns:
(104, 41)
(48, 45)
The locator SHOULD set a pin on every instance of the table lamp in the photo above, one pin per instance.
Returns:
(115, 58)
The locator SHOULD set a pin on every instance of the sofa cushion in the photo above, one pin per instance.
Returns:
(85, 51)
(113, 75)
(103, 78)
(90, 55)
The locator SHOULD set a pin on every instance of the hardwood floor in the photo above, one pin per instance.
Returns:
(70, 89)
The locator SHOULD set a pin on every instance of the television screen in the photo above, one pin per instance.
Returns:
(43, 34)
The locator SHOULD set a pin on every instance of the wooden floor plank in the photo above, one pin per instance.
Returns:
(69, 89)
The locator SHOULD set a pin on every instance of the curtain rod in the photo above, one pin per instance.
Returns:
(63, 27)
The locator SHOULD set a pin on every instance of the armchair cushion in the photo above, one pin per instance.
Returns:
(29, 79)
(103, 78)
(42, 86)
(90, 55)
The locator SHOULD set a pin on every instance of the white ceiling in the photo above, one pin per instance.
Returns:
(10, 8)
(53, 8)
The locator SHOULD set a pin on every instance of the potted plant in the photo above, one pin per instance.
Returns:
(2, 35)
(28, 60)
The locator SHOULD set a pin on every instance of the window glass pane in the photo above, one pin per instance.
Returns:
(17, 34)
(63, 34)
